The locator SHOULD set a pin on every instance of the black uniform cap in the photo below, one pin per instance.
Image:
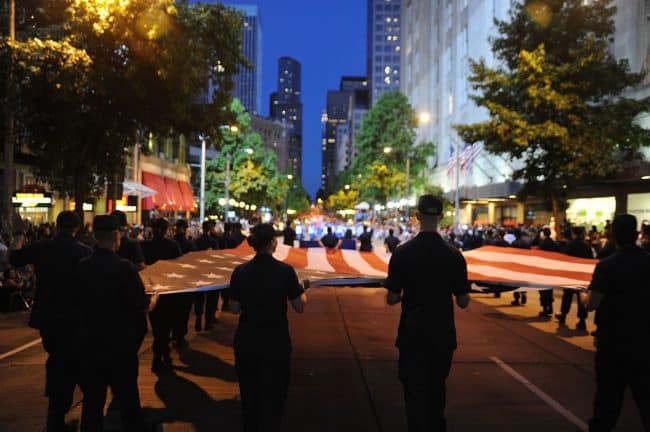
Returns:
(121, 217)
(105, 223)
(430, 205)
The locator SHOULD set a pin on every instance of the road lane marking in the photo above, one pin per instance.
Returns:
(540, 394)
(20, 348)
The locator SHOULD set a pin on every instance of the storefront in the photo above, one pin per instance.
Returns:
(638, 204)
(33, 205)
(591, 211)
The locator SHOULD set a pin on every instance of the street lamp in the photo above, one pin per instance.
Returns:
(424, 117)
(286, 199)
(203, 139)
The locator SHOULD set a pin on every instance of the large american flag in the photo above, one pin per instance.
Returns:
(211, 269)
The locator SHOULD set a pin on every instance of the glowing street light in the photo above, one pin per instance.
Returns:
(388, 150)
(249, 151)
(424, 117)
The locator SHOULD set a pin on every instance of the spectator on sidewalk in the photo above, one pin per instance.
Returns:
(424, 274)
(56, 312)
(619, 294)
(261, 289)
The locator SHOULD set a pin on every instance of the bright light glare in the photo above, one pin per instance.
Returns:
(424, 117)
(387, 150)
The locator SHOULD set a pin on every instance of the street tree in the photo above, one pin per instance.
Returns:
(381, 182)
(555, 99)
(388, 134)
(90, 77)
(343, 200)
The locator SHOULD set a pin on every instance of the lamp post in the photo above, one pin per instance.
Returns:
(286, 199)
(203, 139)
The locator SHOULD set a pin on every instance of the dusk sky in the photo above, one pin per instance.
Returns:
(329, 39)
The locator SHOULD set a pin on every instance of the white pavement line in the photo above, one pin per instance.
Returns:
(20, 348)
(540, 394)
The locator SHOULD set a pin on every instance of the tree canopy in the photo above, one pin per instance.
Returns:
(555, 99)
(91, 73)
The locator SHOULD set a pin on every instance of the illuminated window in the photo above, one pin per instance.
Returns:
(387, 69)
(387, 80)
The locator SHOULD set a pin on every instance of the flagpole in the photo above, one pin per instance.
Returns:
(457, 194)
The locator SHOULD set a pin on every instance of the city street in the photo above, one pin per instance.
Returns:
(512, 372)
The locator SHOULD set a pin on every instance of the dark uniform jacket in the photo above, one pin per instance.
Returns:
(130, 250)
(391, 241)
(329, 240)
(428, 271)
(56, 306)
(548, 244)
(289, 236)
(113, 305)
(579, 248)
(262, 287)
(366, 241)
(160, 248)
(186, 244)
(622, 316)
(206, 242)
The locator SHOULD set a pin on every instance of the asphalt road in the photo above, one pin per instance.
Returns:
(511, 372)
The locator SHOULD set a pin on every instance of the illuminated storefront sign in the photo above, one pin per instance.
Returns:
(87, 207)
(31, 200)
(639, 206)
(127, 204)
(591, 211)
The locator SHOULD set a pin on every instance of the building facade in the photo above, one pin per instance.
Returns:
(286, 107)
(275, 137)
(248, 80)
(384, 45)
(439, 38)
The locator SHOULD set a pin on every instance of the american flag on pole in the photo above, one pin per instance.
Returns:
(474, 151)
(211, 269)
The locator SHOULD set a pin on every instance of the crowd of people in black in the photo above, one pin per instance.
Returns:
(91, 308)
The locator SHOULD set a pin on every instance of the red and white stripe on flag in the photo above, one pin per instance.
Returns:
(208, 270)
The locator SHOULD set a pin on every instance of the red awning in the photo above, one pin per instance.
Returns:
(174, 192)
(161, 200)
(188, 195)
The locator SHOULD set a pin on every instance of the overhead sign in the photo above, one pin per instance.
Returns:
(30, 200)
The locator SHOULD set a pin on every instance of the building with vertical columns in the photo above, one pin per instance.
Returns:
(384, 46)
(286, 107)
(438, 39)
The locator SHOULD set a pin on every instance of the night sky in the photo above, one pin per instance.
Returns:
(329, 39)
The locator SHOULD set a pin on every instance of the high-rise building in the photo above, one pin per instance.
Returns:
(248, 80)
(337, 113)
(384, 46)
(286, 106)
(275, 137)
(359, 91)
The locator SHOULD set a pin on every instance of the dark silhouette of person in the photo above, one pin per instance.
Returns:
(620, 296)
(129, 248)
(206, 302)
(289, 235)
(329, 240)
(519, 243)
(365, 240)
(113, 324)
(546, 296)
(424, 274)
(579, 248)
(261, 289)
(391, 241)
(56, 311)
(162, 317)
(183, 301)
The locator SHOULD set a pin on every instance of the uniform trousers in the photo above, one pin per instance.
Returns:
(183, 308)
(567, 299)
(208, 300)
(423, 375)
(263, 383)
(121, 375)
(62, 370)
(546, 299)
(614, 372)
(162, 321)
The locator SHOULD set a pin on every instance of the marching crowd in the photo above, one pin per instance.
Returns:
(91, 308)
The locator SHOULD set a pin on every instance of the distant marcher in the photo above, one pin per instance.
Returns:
(424, 273)
(261, 288)
(289, 235)
(329, 240)
(519, 243)
(619, 293)
(183, 301)
(162, 317)
(391, 241)
(365, 240)
(113, 325)
(207, 301)
(546, 296)
(579, 248)
(56, 311)
(129, 248)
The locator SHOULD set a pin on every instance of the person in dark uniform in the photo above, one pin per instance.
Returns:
(365, 240)
(329, 240)
(56, 310)
(113, 324)
(289, 235)
(183, 301)
(208, 299)
(546, 243)
(261, 289)
(579, 248)
(423, 274)
(645, 237)
(129, 249)
(233, 235)
(391, 241)
(619, 294)
(162, 317)
(519, 243)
